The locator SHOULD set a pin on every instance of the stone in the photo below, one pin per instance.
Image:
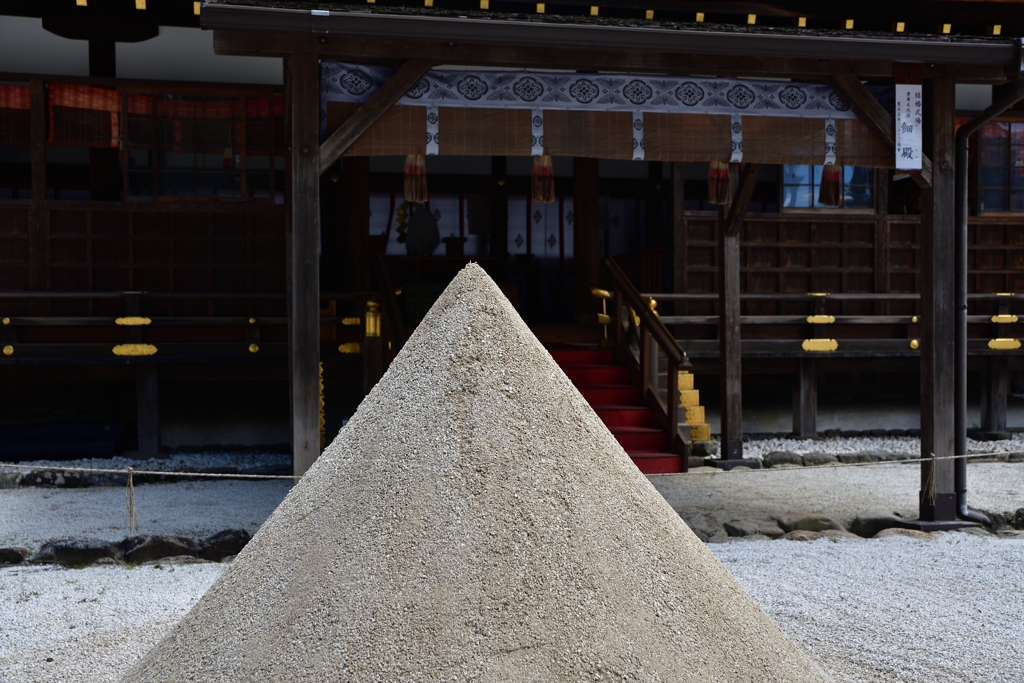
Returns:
(738, 528)
(1017, 456)
(1018, 519)
(9, 479)
(909, 533)
(832, 433)
(224, 543)
(852, 433)
(849, 458)
(1012, 535)
(808, 521)
(703, 525)
(176, 559)
(107, 562)
(896, 432)
(915, 432)
(836, 533)
(55, 478)
(693, 463)
(704, 449)
(139, 549)
(781, 458)
(876, 432)
(73, 552)
(13, 555)
(868, 524)
(879, 456)
(803, 535)
(816, 458)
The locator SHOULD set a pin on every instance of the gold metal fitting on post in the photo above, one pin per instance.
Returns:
(372, 318)
(254, 348)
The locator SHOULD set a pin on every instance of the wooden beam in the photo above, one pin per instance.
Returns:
(38, 259)
(353, 47)
(993, 395)
(738, 206)
(679, 246)
(303, 92)
(937, 499)
(871, 112)
(364, 117)
(355, 242)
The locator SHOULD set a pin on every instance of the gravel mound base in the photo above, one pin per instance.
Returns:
(894, 609)
(475, 521)
(193, 509)
(93, 623)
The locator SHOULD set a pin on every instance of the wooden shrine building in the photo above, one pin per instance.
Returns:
(779, 192)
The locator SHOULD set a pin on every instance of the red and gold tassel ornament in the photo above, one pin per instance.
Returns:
(830, 190)
(416, 178)
(542, 187)
(719, 183)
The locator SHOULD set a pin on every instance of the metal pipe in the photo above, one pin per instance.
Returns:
(1014, 95)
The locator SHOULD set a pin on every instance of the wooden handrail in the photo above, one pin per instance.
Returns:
(649, 319)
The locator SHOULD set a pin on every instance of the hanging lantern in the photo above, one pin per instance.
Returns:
(542, 187)
(830, 190)
(416, 178)
(719, 183)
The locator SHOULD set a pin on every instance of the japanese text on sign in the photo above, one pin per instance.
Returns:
(909, 119)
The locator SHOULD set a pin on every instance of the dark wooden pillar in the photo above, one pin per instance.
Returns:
(937, 498)
(730, 370)
(586, 257)
(993, 396)
(147, 408)
(104, 164)
(805, 399)
(304, 277)
(356, 208)
(37, 243)
(497, 210)
(678, 233)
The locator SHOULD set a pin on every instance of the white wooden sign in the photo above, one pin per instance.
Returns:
(909, 120)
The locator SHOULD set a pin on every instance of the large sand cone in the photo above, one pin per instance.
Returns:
(475, 521)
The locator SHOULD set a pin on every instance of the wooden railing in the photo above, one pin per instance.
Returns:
(820, 332)
(141, 331)
(652, 336)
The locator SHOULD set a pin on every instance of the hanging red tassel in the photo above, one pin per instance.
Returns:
(542, 187)
(416, 178)
(719, 183)
(830, 190)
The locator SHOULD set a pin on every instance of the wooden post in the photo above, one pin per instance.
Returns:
(586, 261)
(937, 498)
(304, 282)
(993, 396)
(147, 408)
(38, 259)
(678, 234)
(497, 208)
(805, 399)
(729, 353)
(355, 178)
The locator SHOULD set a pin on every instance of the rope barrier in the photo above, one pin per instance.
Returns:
(838, 465)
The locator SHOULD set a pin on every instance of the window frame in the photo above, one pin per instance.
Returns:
(874, 185)
(979, 188)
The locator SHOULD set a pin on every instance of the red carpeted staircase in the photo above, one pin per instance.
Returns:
(616, 398)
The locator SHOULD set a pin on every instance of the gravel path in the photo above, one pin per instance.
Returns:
(29, 516)
(894, 444)
(839, 492)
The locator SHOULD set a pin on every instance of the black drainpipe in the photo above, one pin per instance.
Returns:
(1014, 95)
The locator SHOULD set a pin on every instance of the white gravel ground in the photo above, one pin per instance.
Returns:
(893, 444)
(894, 609)
(891, 609)
(93, 623)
